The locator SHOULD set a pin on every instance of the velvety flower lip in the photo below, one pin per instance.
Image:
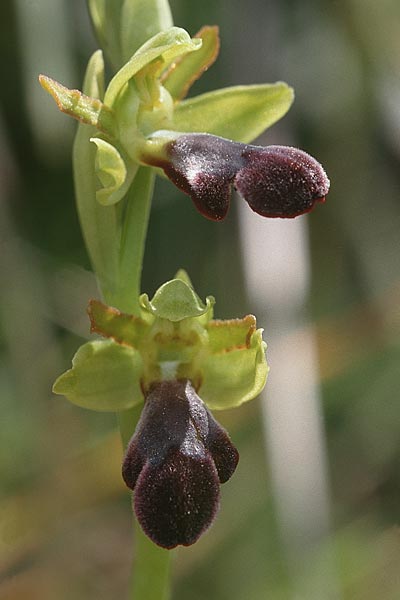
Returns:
(276, 181)
(175, 462)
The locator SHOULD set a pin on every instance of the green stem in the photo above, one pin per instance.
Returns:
(133, 239)
(151, 579)
(151, 568)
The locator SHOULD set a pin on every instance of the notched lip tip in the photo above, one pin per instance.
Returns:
(175, 545)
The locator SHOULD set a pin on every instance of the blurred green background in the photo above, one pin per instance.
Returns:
(64, 513)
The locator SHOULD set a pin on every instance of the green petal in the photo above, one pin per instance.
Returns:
(186, 70)
(224, 336)
(165, 46)
(175, 300)
(112, 172)
(86, 109)
(239, 113)
(233, 377)
(105, 376)
(121, 327)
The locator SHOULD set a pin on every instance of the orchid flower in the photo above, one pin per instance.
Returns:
(143, 118)
(181, 362)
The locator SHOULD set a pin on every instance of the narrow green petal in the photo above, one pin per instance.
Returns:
(105, 376)
(239, 113)
(233, 377)
(188, 68)
(175, 300)
(230, 334)
(165, 46)
(121, 327)
(112, 172)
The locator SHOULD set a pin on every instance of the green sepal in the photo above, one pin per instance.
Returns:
(105, 376)
(85, 109)
(165, 47)
(183, 276)
(175, 300)
(121, 327)
(122, 26)
(141, 20)
(239, 113)
(230, 378)
(188, 68)
(112, 172)
(106, 17)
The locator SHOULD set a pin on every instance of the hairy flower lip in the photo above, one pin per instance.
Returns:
(175, 462)
(170, 519)
(276, 181)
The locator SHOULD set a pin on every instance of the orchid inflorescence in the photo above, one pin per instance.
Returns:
(170, 354)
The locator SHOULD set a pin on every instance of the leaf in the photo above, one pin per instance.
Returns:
(190, 67)
(111, 170)
(121, 327)
(165, 46)
(234, 377)
(175, 300)
(105, 376)
(90, 111)
(239, 113)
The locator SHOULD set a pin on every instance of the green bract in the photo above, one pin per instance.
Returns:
(174, 337)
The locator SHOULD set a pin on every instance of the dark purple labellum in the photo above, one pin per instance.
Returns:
(175, 462)
(279, 181)
(276, 181)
